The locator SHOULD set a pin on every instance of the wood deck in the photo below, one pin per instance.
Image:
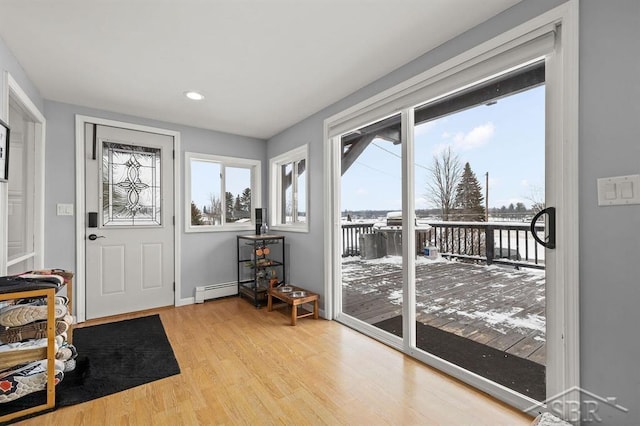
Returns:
(499, 307)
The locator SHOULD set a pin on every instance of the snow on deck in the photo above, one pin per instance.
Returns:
(493, 305)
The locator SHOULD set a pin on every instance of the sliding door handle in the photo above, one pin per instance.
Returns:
(550, 227)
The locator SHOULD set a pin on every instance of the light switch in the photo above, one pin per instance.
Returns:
(619, 190)
(626, 190)
(64, 209)
(610, 191)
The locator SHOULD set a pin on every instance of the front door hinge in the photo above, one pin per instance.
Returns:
(174, 286)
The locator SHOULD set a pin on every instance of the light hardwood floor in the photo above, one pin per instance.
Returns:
(241, 365)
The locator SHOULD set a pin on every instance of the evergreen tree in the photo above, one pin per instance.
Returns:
(469, 199)
(503, 211)
(245, 200)
(196, 215)
(228, 207)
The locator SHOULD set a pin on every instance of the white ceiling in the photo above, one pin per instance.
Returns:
(263, 65)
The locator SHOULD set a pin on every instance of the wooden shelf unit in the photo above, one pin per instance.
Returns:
(21, 356)
(17, 357)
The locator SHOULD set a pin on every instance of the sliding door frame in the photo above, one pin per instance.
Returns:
(563, 366)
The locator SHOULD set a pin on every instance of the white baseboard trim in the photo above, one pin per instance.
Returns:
(185, 301)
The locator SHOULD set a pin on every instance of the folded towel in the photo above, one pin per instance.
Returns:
(11, 284)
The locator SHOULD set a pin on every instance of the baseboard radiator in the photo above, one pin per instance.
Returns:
(213, 291)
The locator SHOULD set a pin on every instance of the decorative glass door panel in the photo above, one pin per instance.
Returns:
(131, 185)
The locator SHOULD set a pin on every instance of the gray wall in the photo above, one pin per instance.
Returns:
(206, 258)
(609, 146)
(610, 236)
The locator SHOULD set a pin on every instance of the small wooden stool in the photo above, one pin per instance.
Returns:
(289, 299)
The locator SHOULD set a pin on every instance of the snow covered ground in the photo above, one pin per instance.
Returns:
(491, 303)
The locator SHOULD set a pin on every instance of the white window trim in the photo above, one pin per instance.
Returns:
(275, 185)
(563, 364)
(256, 199)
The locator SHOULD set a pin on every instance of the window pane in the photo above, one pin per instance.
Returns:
(302, 192)
(287, 193)
(494, 314)
(238, 194)
(130, 185)
(221, 193)
(371, 206)
(206, 201)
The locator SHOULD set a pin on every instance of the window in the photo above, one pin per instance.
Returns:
(221, 192)
(289, 185)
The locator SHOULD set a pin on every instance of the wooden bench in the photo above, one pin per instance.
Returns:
(291, 298)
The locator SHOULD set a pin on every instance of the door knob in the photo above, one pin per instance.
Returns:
(93, 237)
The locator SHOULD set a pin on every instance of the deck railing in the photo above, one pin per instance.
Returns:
(351, 237)
(488, 242)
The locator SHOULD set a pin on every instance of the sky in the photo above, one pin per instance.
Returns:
(505, 139)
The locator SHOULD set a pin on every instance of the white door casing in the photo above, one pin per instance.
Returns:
(130, 252)
(11, 89)
(21, 232)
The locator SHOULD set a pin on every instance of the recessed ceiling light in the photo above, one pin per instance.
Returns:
(194, 96)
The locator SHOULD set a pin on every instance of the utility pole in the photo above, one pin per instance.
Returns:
(486, 197)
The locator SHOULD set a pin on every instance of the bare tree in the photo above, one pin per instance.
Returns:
(215, 210)
(536, 197)
(445, 173)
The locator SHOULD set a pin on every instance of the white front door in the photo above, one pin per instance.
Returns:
(130, 225)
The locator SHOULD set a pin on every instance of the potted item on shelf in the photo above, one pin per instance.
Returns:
(273, 281)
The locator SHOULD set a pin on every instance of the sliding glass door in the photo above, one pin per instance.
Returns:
(479, 167)
(461, 279)
(457, 263)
